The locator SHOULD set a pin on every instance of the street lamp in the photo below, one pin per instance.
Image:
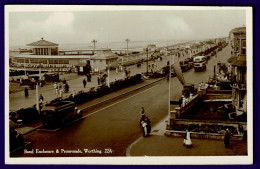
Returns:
(94, 41)
(108, 72)
(127, 40)
(147, 61)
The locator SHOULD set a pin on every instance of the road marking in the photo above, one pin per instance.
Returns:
(114, 104)
(97, 111)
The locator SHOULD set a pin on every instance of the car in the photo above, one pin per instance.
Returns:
(57, 112)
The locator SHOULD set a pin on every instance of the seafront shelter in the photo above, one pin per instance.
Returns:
(104, 58)
(46, 55)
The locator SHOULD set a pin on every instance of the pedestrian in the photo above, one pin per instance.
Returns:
(67, 87)
(227, 138)
(148, 121)
(73, 93)
(26, 93)
(180, 101)
(144, 128)
(41, 99)
(187, 140)
(56, 91)
(84, 83)
(90, 77)
(61, 92)
(98, 80)
(55, 85)
(142, 112)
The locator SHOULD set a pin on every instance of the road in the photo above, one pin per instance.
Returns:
(109, 129)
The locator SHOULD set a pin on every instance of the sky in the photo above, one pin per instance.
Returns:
(78, 27)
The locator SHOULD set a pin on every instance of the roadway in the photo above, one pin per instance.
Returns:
(112, 127)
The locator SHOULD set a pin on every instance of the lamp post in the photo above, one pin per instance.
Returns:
(147, 61)
(108, 71)
(94, 41)
(24, 66)
(40, 72)
(127, 40)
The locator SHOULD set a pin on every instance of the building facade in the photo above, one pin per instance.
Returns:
(239, 69)
(46, 55)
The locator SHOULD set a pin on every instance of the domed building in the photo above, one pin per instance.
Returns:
(47, 56)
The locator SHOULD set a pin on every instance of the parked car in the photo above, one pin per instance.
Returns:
(15, 139)
(58, 112)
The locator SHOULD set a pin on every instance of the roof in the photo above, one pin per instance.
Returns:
(235, 61)
(81, 64)
(42, 43)
(104, 55)
(32, 56)
(239, 63)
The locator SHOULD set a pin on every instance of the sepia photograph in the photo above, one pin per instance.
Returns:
(128, 84)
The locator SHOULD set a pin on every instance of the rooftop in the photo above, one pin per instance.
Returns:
(105, 54)
(42, 43)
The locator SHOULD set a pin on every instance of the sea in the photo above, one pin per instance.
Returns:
(134, 45)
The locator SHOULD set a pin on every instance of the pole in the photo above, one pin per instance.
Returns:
(37, 98)
(94, 41)
(108, 82)
(40, 72)
(169, 105)
(24, 67)
(147, 61)
(127, 40)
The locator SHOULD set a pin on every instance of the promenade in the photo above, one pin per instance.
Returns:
(18, 100)
(159, 144)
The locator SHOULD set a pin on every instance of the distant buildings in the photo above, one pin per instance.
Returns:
(46, 55)
(239, 69)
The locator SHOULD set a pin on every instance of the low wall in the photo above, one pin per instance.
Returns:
(213, 136)
(217, 96)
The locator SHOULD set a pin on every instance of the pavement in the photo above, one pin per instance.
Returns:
(159, 144)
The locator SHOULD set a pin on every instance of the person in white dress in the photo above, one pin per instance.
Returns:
(187, 140)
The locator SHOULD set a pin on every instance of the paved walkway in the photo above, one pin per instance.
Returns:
(18, 100)
(158, 144)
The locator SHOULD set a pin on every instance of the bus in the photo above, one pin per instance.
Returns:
(199, 63)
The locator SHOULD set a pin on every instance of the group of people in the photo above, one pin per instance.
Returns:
(152, 68)
(61, 88)
(185, 99)
(145, 123)
(188, 143)
(102, 79)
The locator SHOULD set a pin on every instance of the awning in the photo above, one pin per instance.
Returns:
(234, 61)
(81, 64)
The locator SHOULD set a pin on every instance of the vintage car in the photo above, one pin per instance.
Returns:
(56, 113)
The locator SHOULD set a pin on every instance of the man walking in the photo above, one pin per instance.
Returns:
(41, 99)
(26, 93)
(84, 83)
(227, 138)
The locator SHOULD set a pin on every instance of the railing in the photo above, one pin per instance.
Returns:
(239, 86)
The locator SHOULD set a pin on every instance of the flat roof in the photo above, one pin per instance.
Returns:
(52, 56)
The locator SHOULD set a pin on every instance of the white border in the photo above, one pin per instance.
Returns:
(133, 160)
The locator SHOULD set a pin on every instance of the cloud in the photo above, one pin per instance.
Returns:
(55, 25)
